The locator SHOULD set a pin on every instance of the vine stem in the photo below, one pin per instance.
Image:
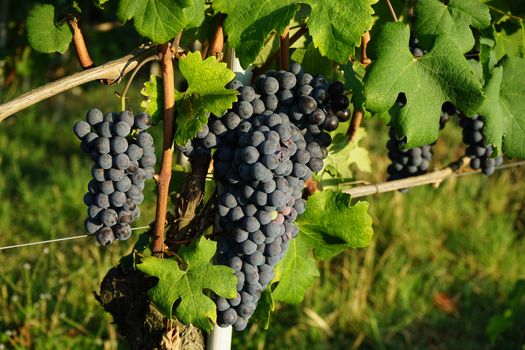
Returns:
(509, 14)
(164, 178)
(80, 45)
(130, 80)
(357, 115)
(391, 9)
(217, 43)
(284, 49)
(355, 123)
(110, 72)
(298, 34)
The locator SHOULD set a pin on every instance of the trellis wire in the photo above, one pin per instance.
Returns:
(58, 240)
(504, 166)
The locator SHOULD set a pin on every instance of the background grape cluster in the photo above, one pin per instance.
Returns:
(477, 150)
(415, 161)
(267, 145)
(124, 157)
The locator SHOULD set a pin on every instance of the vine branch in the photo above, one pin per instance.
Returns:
(80, 45)
(164, 178)
(435, 177)
(110, 73)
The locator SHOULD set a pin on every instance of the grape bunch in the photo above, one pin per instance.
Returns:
(477, 150)
(267, 145)
(124, 156)
(415, 161)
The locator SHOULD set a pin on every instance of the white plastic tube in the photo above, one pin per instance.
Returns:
(220, 338)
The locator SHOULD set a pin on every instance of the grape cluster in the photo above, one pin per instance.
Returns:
(477, 150)
(267, 145)
(415, 161)
(123, 156)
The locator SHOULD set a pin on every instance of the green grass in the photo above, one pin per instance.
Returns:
(462, 241)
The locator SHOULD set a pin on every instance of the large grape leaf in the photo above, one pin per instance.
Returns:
(336, 27)
(205, 94)
(44, 33)
(454, 20)
(295, 273)
(427, 82)
(161, 20)
(504, 108)
(187, 285)
(331, 224)
(249, 22)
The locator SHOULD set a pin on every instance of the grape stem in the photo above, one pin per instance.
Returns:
(284, 49)
(164, 178)
(109, 73)
(80, 45)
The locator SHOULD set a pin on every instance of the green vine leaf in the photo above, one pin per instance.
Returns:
(44, 33)
(161, 20)
(427, 82)
(454, 20)
(329, 225)
(337, 40)
(342, 154)
(206, 94)
(152, 90)
(295, 273)
(504, 108)
(250, 22)
(187, 285)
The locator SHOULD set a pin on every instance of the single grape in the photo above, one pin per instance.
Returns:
(142, 121)
(121, 129)
(94, 116)
(81, 129)
(121, 161)
(122, 232)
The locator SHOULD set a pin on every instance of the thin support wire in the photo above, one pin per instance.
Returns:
(58, 240)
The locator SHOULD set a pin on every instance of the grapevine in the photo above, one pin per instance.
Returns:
(258, 164)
